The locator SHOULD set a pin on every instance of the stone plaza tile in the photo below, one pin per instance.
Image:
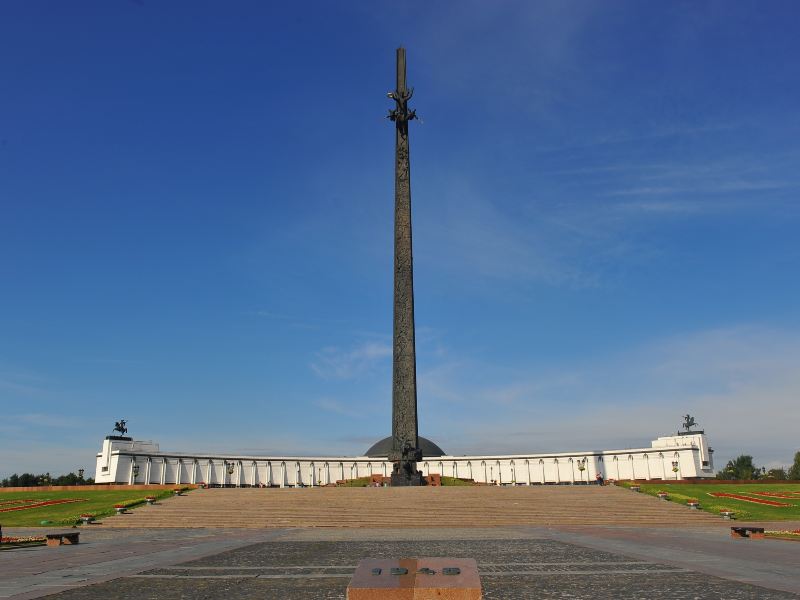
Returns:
(509, 569)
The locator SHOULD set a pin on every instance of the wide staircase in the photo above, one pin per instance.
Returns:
(486, 506)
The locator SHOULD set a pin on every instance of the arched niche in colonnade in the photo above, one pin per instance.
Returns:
(541, 465)
(630, 464)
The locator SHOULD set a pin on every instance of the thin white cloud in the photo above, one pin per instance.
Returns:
(742, 383)
(336, 363)
(337, 407)
(722, 187)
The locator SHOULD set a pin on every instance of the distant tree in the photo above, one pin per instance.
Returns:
(779, 473)
(31, 480)
(741, 467)
(794, 470)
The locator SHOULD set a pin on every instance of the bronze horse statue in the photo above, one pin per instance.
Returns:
(120, 426)
(688, 422)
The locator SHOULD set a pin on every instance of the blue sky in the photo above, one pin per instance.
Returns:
(196, 225)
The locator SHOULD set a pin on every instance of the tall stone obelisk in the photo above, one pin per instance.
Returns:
(405, 440)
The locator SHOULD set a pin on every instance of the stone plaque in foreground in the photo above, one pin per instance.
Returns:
(415, 579)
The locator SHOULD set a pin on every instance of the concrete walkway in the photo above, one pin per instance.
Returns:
(514, 562)
(103, 555)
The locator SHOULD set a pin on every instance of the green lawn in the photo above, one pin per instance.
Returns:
(745, 511)
(99, 503)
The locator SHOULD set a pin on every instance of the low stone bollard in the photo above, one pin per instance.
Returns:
(756, 533)
(57, 539)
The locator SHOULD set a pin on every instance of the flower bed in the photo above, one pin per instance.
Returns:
(787, 495)
(38, 504)
(28, 540)
(747, 499)
(793, 534)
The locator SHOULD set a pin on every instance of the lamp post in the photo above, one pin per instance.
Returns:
(582, 467)
(229, 468)
(675, 468)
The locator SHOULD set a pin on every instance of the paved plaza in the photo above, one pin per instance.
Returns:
(514, 562)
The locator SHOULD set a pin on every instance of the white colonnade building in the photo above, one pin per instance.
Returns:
(128, 461)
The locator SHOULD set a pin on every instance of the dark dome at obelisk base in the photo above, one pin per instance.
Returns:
(381, 449)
